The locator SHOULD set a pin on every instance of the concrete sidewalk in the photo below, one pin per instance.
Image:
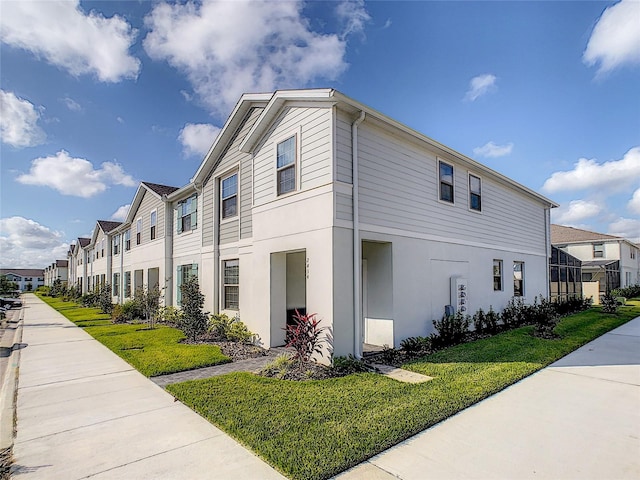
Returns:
(84, 412)
(579, 418)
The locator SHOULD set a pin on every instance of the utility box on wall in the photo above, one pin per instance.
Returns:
(459, 294)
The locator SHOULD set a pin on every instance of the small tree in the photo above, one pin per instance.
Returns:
(57, 289)
(194, 320)
(104, 298)
(304, 337)
(6, 285)
(149, 302)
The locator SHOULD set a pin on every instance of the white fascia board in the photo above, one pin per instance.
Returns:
(182, 192)
(274, 106)
(244, 104)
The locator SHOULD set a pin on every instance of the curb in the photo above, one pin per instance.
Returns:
(9, 390)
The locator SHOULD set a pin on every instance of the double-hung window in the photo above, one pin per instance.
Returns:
(184, 272)
(518, 279)
(102, 243)
(138, 231)
(497, 275)
(229, 196)
(446, 182)
(475, 193)
(153, 222)
(127, 240)
(116, 244)
(127, 284)
(598, 250)
(286, 165)
(231, 284)
(188, 214)
(116, 284)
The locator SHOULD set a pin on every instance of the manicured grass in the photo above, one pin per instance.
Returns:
(316, 429)
(152, 352)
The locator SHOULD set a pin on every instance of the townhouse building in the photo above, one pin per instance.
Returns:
(311, 201)
(58, 270)
(77, 258)
(99, 254)
(27, 279)
(611, 261)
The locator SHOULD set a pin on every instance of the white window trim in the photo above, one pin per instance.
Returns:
(524, 284)
(221, 178)
(221, 305)
(469, 175)
(155, 210)
(178, 218)
(297, 133)
(139, 220)
(501, 274)
(453, 180)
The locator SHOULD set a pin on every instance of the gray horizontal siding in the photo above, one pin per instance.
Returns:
(344, 207)
(229, 232)
(398, 188)
(208, 212)
(343, 148)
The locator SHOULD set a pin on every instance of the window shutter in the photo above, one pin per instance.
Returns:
(179, 284)
(194, 270)
(194, 212)
(179, 217)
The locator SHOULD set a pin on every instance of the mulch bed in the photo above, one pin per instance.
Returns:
(234, 350)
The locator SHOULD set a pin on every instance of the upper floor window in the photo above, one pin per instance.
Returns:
(127, 240)
(102, 244)
(598, 250)
(138, 231)
(518, 279)
(633, 253)
(154, 221)
(116, 244)
(286, 166)
(229, 196)
(446, 182)
(188, 214)
(475, 193)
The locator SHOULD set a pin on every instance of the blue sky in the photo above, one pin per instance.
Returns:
(97, 96)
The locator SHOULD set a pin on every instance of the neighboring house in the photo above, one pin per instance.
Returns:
(612, 261)
(99, 251)
(58, 270)
(378, 258)
(144, 258)
(28, 279)
(77, 258)
(565, 276)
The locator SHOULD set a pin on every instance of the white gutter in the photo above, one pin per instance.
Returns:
(357, 254)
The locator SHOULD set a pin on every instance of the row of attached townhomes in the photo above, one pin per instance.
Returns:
(312, 201)
(58, 270)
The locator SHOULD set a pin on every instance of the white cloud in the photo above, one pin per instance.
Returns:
(574, 213)
(197, 138)
(589, 174)
(72, 104)
(480, 85)
(628, 228)
(120, 119)
(227, 48)
(75, 176)
(492, 150)
(615, 40)
(353, 15)
(634, 203)
(121, 213)
(18, 121)
(67, 37)
(25, 243)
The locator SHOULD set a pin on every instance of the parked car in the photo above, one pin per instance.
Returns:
(10, 302)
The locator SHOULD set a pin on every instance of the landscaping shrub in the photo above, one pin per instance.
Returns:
(349, 365)
(279, 368)
(148, 303)
(232, 329)
(389, 355)
(103, 299)
(491, 319)
(169, 315)
(609, 304)
(127, 312)
(451, 330)
(415, 346)
(513, 315)
(304, 337)
(544, 317)
(632, 291)
(193, 321)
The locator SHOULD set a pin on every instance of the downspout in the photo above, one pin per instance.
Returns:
(547, 236)
(357, 254)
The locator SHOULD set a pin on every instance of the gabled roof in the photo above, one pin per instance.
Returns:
(107, 225)
(83, 242)
(62, 263)
(23, 272)
(330, 97)
(561, 235)
(160, 189)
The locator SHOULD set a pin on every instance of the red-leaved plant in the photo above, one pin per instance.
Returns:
(304, 336)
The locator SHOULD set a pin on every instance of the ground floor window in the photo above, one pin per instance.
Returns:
(497, 275)
(116, 284)
(231, 284)
(518, 279)
(183, 273)
(127, 284)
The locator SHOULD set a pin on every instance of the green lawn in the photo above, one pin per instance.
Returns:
(150, 351)
(316, 429)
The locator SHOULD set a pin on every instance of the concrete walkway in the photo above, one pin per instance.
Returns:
(577, 419)
(84, 412)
